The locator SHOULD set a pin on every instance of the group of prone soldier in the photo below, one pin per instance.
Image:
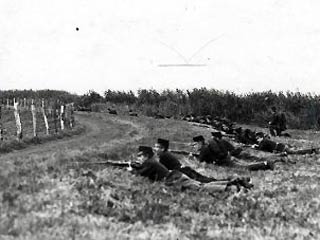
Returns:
(276, 125)
(160, 164)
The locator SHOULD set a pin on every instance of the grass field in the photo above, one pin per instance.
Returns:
(47, 194)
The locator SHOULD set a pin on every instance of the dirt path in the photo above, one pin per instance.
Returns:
(98, 128)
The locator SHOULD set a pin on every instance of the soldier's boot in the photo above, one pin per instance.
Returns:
(265, 165)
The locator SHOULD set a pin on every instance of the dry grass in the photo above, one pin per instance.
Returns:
(49, 196)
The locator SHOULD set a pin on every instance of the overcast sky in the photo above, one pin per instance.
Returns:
(237, 45)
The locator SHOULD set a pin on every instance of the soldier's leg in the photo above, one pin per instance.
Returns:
(262, 165)
(193, 174)
(219, 186)
(302, 151)
(181, 181)
(248, 156)
(278, 131)
(272, 130)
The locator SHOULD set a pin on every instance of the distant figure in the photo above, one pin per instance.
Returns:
(132, 113)
(246, 136)
(159, 116)
(112, 111)
(278, 122)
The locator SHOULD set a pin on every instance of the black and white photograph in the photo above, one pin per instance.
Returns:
(162, 120)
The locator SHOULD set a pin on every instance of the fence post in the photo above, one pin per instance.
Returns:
(45, 118)
(1, 131)
(34, 118)
(17, 118)
(55, 120)
(61, 116)
(72, 123)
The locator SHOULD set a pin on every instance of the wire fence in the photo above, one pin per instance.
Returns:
(20, 118)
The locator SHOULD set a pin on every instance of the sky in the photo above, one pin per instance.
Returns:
(240, 46)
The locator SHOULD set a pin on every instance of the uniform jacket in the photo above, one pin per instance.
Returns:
(268, 145)
(169, 160)
(152, 169)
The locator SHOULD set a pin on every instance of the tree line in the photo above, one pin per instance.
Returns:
(302, 110)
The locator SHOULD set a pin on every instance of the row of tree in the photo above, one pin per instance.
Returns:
(302, 110)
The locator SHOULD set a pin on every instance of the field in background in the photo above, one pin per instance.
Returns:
(47, 194)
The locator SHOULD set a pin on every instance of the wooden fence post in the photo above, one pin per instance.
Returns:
(45, 118)
(55, 120)
(72, 123)
(17, 118)
(34, 118)
(1, 131)
(61, 116)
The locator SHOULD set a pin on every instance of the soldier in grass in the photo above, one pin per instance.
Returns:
(150, 167)
(220, 153)
(155, 171)
(165, 157)
(171, 162)
(264, 143)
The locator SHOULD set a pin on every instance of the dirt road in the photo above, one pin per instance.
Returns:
(101, 130)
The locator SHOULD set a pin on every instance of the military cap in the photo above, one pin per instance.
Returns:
(146, 150)
(163, 142)
(217, 134)
(198, 138)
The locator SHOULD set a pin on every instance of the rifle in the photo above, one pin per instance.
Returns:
(113, 163)
(183, 152)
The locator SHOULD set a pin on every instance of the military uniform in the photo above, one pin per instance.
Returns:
(217, 152)
(166, 158)
(185, 178)
(151, 168)
(172, 163)
(278, 123)
(169, 160)
(268, 145)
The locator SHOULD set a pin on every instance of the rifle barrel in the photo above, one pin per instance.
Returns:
(112, 163)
